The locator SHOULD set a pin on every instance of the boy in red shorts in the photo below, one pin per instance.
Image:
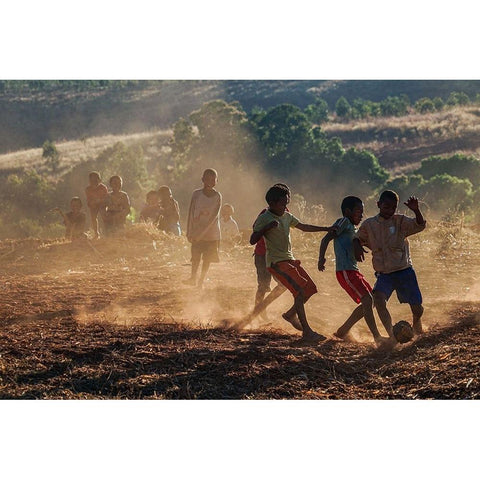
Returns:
(348, 274)
(274, 225)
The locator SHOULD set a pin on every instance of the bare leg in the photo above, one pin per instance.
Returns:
(417, 312)
(380, 301)
(94, 221)
(193, 277)
(308, 334)
(354, 317)
(203, 273)
(271, 297)
(259, 296)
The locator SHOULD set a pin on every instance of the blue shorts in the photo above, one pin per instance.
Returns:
(404, 282)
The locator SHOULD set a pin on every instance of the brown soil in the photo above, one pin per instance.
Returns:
(116, 322)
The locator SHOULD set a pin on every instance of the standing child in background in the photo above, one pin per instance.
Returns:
(348, 275)
(274, 225)
(386, 236)
(96, 193)
(169, 212)
(118, 206)
(151, 210)
(75, 220)
(203, 227)
(228, 226)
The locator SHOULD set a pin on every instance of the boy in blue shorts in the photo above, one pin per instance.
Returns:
(386, 236)
(347, 272)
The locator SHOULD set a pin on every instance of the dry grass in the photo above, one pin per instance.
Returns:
(77, 151)
(117, 322)
(400, 143)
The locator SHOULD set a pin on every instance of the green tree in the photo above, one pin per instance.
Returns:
(361, 108)
(445, 192)
(342, 107)
(284, 132)
(424, 105)
(439, 103)
(317, 112)
(394, 106)
(458, 98)
(458, 165)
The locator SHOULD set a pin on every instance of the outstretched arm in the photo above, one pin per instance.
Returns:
(304, 227)
(323, 248)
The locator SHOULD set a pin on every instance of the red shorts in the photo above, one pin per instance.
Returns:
(354, 283)
(290, 274)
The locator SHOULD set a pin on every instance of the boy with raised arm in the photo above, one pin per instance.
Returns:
(347, 272)
(274, 225)
(386, 236)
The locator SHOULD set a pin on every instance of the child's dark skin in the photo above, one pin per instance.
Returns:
(365, 309)
(278, 208)
(387, 209)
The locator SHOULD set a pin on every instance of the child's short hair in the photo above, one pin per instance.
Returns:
(164, 189)
(388, 195)
(282, 185)
(76, 200)
(94, 174)
(152, 193)
(210, 171)
(276, 192)
(350, 203)
(115, 177)
(229, 207)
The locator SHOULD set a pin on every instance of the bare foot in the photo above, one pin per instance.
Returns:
(190, 281)
(417, 327)
(293, 321)
(347, 337)
(312, 338)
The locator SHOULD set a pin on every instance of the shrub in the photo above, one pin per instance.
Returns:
(50, 153)
(424, 105)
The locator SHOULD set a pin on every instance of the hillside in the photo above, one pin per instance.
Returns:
(34, 112)
(401, 143)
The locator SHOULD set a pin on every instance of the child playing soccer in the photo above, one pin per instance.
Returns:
(274, 224)
(118, 206)
(386, 236)
(348, 275)
(96, 193)
(203, 227)
(263, 275)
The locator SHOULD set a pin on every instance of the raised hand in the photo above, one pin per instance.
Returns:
(412, 203)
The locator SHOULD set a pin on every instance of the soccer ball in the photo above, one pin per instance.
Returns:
(402, 331)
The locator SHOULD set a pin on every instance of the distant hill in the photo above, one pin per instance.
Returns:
(33, 111)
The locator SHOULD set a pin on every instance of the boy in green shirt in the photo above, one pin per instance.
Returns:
(274, 225)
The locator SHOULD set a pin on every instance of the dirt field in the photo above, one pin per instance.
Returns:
(115, 321)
